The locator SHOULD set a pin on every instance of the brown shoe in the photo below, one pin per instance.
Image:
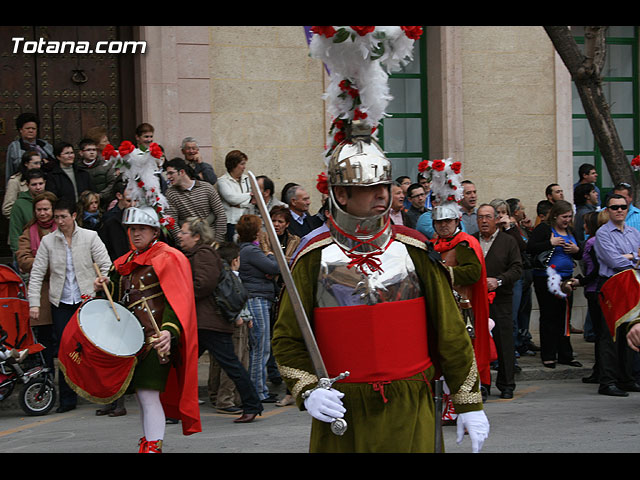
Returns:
(246, 418)
(118, 412)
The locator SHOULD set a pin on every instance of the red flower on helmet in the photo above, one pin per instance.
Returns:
(423, 165)
(363, 30)
(155, 150)
(456, 166)
(635, 163)
(126, 148)
(323, 184)
(109, 152)
(359, 115)
(438, 165)
(327, 31)
(413, 32)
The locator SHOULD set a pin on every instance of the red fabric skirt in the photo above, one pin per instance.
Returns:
(382, 342)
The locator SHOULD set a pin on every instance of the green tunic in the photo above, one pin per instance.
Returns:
(405, 422)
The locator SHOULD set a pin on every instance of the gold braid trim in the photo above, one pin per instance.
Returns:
(304, 379)
(101, 401)
(464, 395)
(318, 244)
(414, 242)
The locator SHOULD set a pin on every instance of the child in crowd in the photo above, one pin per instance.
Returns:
(222, 391)
(89, 208)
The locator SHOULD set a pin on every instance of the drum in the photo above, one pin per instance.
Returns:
(97, 352)
(620, 299)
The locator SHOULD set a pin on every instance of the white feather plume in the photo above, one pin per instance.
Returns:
(554, 281)
(365, 61)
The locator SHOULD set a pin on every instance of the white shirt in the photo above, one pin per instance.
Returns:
(70, 290)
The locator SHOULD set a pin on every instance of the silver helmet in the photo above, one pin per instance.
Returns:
(141, 216)
(358, 161)
(446, 211)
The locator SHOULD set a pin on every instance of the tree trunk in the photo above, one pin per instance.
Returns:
(585, 70)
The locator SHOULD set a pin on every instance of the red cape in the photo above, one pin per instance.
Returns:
(479, 304)
(180, 398)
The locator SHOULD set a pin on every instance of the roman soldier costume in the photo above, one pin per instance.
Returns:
(155, 284)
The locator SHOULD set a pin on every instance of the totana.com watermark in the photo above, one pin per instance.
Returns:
(20, 45)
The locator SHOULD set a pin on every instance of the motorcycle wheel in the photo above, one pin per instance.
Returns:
(36, 400)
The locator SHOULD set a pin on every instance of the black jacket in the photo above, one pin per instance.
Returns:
(59, 183)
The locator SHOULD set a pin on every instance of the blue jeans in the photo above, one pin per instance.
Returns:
(260, 344)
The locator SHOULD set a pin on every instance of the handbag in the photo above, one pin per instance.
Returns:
(542, 259)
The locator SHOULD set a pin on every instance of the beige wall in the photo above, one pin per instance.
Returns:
(251, 88)
(516, 115)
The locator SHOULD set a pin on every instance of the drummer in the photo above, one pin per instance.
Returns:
(156, 275)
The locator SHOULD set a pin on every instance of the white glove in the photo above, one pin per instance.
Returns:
(325, 404)
(477, 424)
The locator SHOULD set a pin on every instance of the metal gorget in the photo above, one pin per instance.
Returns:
(342, 284)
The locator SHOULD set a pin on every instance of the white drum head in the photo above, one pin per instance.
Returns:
(122, 337)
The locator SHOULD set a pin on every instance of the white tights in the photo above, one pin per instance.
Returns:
(151, 414)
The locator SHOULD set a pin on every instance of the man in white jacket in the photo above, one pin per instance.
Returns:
(68, 254)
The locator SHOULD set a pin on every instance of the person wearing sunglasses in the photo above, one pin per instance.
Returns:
(633, 212)
(616, 247)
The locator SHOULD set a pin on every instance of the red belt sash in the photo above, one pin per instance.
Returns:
(382, 342)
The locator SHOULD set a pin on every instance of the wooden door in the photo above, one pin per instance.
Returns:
(69, 91)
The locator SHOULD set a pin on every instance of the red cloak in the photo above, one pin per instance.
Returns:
(180, 398)
(479, 304)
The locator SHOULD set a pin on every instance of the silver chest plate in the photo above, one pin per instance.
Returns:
(340, 286)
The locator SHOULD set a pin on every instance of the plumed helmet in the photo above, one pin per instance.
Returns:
(141, 216)
(449, 210)
(359, 161)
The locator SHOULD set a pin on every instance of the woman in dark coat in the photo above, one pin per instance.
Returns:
(214, 332)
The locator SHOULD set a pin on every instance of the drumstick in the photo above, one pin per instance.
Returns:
(106, 290)
(163, 358)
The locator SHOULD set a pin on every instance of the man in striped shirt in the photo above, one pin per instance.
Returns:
(189, 197)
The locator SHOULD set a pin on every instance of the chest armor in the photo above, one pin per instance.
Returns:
(340, 285)
(143, 283)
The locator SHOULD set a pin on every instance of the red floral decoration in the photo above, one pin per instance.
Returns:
(323, 184)
(456, 167)
(363, 30)
(327, 31)
(109, 152)
(359, 115)
(635, 163)
(423, 165)
(438, 165)
(412, 32)
(155, 150)
(126, 148)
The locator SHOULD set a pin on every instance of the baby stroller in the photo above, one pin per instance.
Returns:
(21, 359)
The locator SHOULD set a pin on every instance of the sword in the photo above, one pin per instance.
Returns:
(338, 425)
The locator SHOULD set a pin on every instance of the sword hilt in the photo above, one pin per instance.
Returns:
(338, 425)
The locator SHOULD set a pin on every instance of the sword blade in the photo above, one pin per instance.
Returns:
(285, 272)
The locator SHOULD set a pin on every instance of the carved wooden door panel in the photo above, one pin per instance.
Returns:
(69, 91)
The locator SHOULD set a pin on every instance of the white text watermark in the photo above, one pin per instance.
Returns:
(20, 45)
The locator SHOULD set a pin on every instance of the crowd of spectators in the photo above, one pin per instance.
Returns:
(218, 225)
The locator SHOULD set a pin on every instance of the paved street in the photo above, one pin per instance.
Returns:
(551, 414)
